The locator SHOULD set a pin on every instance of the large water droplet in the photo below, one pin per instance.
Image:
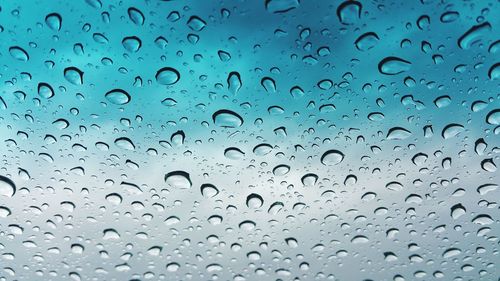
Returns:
(19, 53)
(73, 75)
(54, 21)
(167, 76)
(349, 12)
(45, 90)
(393, 66)
(7, 187)
(125, 143)
(132, 44)
(493, 117)
(118, 97)
(398, 133)
(332, 157)
(227, 118)
(473, 35)
(178, 179)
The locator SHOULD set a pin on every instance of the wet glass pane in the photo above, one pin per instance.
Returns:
(249, 140)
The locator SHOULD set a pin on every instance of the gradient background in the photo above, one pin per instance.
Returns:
(323, 218)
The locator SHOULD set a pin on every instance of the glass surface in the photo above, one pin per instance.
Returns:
(249, 140)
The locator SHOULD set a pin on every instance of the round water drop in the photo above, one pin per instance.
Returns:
(449, 16)
(442, 101)
(359, 239)
(451, 253)
(234, 153)
(394, 186)
(178, 179)
(494, 72)
(227, 119)
(45, 90)
(254, 201)
(262, 149)
(325, 84)
(376, 116)
(73, 75)
(136, 16)
(332, 157)
(457, 211)
(132, 43)
(173, 267)
(451, 130)
(19, 53)
(54, 21)
(209, 190)
(247, 225)
(4, 212)
(297, 92)
(169, 102)
(167, 76)
(398, 133)
(366, 41)
(488, 165)
(493, 117)
(172, 220)
(281, 170)
(349, 12)
(7, 187)
(110, 234)
(118, 97)
(114, 198)
(393, 66)
(309, 179)
(125, 143)
(196, 23)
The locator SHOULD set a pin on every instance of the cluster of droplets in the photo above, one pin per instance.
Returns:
(273, 139)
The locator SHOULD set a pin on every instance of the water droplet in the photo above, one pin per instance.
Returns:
(493, 117)
(45, 90)
(167, 76)
(7, 187)
(196, 23)
(209, 190)
(118, 97)
(54, 21)
(234, 153)
(234, 83)
(19, 53)
(473, 35)
(398, 133)
(332, 157)
(254, 201)
(133, 44)
(457, 211)
(73, 75)
(451, 130)
(125, 143)
(227, 119)
(178, 179)
(366, 41)
(393, 66)
(136, 16)
(349, 12)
